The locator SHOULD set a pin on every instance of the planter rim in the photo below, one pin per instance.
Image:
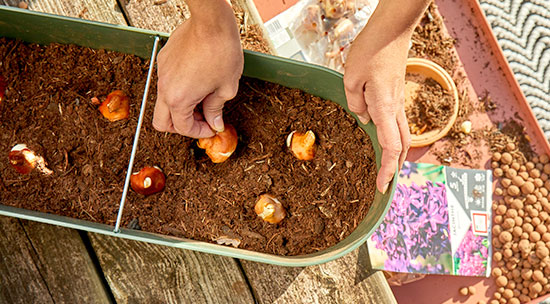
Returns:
(314, 79)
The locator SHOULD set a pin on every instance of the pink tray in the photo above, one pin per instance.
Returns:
(487, 70)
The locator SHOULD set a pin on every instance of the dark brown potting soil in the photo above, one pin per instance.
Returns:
(48, 108)
(430, 109)
(325, 198)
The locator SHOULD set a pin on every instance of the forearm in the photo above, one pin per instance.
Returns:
(210, 11)
(212, 18)
(397, 16)
(393, 20)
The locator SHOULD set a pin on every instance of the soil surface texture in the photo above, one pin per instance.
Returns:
(48, 107)
(430, 109)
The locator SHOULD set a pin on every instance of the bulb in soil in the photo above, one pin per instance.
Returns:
(24, 160)
(3, 85)
(116, 106)
(148, 180)
(220, 146)
(270, 209)
(466, 127)
(302, 145)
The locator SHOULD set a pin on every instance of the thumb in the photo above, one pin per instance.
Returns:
(212, 106)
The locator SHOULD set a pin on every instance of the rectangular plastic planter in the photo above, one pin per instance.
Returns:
(44, 28)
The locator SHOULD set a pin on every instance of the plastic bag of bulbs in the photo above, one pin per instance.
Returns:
(325, 28)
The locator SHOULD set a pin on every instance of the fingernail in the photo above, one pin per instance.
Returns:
(385, 188)
(364, 120)
(218, 124)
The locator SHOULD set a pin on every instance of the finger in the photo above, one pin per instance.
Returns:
(185, 123)
(212, 107)
(356, 100)
(405, 136)
(162, 120)
(390, 140)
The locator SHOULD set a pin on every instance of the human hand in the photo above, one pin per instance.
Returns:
(374, 85)
(374, 79)
(201, 63)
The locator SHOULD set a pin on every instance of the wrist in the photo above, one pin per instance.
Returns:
(212, 19)
(210, 12)
(397, 18)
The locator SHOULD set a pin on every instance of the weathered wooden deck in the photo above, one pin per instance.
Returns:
(48, 264)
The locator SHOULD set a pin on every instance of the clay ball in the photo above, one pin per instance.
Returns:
(518, 181)
(528, 188)
(513, 190)
(506, 158)
(501, 281)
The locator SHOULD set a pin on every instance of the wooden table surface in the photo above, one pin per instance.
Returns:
(42, 263)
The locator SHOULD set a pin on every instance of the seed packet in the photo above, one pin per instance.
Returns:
(439, 222)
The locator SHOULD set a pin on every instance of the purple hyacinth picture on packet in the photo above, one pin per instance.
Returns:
(439, 222)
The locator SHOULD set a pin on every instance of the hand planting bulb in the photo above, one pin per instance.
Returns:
(312, 18)
(116, 106)
(270, 209)
(148, 180)
(24, 160)
(220, 146)
(334, 8)
(302, 145)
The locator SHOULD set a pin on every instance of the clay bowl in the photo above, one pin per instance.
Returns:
(426, 68)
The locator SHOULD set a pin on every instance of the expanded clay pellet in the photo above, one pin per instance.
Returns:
(521, 237)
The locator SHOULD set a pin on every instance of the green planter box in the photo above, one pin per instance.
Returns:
(43, 28)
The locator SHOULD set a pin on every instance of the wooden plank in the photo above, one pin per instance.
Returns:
(146, 273)
(346, 280)
(20, 280)
(158, 15)
(65, 264)
(165, 16)
(61, 261)
(98, 10)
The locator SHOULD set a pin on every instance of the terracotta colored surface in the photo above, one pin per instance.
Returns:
(487, 70)
(271, 8)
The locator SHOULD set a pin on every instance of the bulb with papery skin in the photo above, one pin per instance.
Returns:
(24, 160)
(270, 209)
(148, 180)
(302, 145)
(312, 19)
(220, 146)
(343, 29)
(334, 8)
(116, 106)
